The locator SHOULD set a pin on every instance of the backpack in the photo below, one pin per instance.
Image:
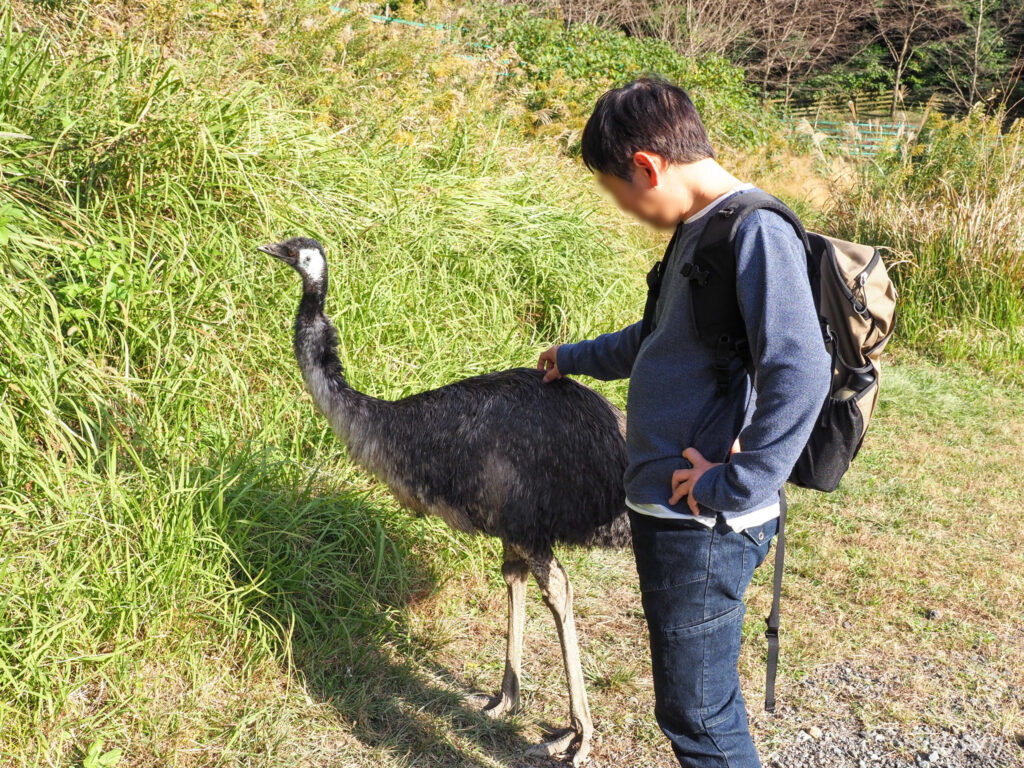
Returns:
(856, 304)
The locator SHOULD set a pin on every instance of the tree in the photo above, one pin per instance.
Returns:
(984, 63)
(694, 27)
(787, 39)
(905, 25)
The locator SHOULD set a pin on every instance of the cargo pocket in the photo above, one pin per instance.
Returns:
(692, 666)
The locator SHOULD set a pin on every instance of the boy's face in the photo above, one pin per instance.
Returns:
(646, 196)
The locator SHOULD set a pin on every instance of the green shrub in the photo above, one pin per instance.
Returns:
(566, 69)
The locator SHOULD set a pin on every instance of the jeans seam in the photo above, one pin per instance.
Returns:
(700, 712)
(708, 725)
(711, 723)
(673, 585)
(701, 627)
(743, 563)
(714, 741)
(704, 639)
(707, 575)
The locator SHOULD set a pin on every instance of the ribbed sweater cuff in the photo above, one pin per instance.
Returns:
(702, 489)
(565, 358)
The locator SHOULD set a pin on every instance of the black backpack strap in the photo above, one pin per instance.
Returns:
(716, 311)
(772, 630)
(654, 277)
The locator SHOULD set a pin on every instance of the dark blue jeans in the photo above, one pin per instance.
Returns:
(692, 580)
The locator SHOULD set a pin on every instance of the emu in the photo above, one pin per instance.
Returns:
(503, 454)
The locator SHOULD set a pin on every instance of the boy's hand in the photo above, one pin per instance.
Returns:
(548, 360)
(683, 480)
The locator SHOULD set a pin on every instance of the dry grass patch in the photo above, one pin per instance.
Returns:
(900, 600)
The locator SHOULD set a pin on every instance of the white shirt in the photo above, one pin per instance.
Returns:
(752, 517)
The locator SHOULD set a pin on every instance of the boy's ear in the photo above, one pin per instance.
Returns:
(649, 164)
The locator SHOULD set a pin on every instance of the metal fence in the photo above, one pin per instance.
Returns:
(860, 126)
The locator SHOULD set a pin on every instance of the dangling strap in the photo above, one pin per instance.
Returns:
(654, 277)
(833, 341)
(772, 631)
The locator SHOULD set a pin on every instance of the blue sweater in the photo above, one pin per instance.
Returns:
(671, 402)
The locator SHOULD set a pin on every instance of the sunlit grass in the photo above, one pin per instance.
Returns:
(947, 209)
(172, 504)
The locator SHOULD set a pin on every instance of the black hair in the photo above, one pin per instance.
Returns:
(649, 114)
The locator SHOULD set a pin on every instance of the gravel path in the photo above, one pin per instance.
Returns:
(841, 741)
(843, 745)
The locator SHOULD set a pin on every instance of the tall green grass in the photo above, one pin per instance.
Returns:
(948, 209)
(566, 68)
(175, 518)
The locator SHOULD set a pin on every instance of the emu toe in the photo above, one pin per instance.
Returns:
(568, 741)
(494, 706)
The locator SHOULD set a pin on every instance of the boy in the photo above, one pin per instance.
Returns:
(702, 517)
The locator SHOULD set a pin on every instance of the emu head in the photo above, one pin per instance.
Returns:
(303, 254)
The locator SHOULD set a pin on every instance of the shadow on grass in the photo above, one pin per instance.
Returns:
(336, 572)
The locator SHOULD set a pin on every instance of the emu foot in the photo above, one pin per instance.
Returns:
(493, 706)
(575, 744)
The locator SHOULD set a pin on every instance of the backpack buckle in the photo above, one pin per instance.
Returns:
(692, 272)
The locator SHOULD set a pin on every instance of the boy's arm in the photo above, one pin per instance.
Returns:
(609, 356)
(790, 358)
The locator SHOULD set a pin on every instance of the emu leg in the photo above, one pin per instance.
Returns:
(557, 591)
(515, 572)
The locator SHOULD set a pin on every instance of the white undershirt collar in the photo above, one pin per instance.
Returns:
(713, 203)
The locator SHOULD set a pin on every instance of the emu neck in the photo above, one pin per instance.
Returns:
(352, 414)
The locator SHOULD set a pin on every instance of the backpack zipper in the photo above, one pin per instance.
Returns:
(858, 306)
(862, 281)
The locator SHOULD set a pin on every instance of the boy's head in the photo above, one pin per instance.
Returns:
(635, 142)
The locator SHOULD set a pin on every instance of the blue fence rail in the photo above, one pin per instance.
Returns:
(855, 138)
(388, 19)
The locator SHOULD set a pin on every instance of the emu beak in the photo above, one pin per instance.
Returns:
(274, 249)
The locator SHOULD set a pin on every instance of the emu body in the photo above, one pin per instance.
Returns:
(501, 454)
